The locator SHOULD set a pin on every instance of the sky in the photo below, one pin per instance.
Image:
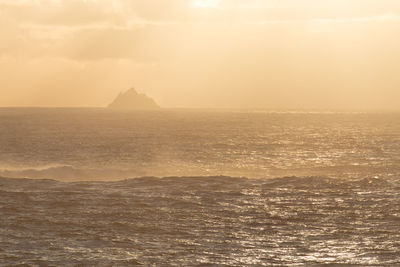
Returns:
(296, 54)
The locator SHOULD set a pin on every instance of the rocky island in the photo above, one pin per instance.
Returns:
(133, 100)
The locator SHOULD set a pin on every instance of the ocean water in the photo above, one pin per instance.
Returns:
(97, 187)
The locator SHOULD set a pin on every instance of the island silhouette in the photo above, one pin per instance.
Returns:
(131, 99)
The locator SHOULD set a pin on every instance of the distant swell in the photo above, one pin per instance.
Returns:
(294, 182)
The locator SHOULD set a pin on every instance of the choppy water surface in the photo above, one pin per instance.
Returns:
(337, 203)
(200, 222)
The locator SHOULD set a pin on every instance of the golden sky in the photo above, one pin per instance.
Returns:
(342, 54)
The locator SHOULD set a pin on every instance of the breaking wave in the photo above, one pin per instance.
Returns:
(66, 172)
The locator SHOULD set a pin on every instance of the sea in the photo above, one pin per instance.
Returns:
(193, 187)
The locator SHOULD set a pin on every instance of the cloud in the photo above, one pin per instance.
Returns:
(51, 12)
(389, 17)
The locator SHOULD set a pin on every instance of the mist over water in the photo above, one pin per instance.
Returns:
(316, 188)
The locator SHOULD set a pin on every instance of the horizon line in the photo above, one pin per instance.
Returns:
(326, 110)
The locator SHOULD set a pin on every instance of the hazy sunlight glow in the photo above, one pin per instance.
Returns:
(206, 3)
(273, 54)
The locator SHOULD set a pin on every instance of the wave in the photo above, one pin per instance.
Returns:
(214, 182)
(73, 173)
(67, 172)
